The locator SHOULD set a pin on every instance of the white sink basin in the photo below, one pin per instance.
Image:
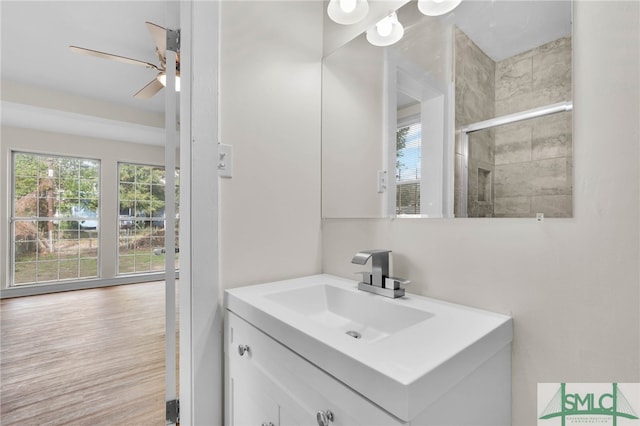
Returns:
(349, 312)
(410, 352)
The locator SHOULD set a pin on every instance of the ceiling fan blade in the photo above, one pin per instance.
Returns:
(153, 87)
(118, 58)
(159, 36)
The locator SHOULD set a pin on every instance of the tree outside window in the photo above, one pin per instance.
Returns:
(142, 220)
(54, 219)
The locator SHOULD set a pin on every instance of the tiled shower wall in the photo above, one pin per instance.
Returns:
(533, 159)
(475, 101)
(524, 168)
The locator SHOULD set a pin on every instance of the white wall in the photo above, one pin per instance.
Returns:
(571, 285)
(270, 112)
(352, 123)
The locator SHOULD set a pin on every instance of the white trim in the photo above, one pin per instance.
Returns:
(390, 130)
(57, 287)
(404, 76)
(433, 160)
(53, 120)
(185, 300)
(200, 293)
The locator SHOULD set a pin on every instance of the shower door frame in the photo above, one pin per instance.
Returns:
(496, 122)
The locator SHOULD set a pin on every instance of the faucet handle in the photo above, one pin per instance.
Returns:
(366, 277)
(395, 283)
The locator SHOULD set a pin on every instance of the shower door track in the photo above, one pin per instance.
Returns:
(495, 122)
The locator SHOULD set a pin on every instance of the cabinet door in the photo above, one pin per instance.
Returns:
(310, 390)
(294, 414)
(249, 397)
(251, 400)
(298, 388)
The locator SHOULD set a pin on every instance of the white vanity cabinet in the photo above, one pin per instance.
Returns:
(316, 350)
(268, 384)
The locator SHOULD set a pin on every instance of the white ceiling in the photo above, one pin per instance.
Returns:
(501, 28)
(35, 46)
(35, 36)
(504, 28)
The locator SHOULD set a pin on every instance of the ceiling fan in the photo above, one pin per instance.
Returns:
(159, 36)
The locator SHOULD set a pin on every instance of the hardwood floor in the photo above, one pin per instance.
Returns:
(87, 357)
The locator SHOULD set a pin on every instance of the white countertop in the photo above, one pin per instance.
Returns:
(404, 370)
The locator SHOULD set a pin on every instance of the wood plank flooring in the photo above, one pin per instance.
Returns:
(87, 357)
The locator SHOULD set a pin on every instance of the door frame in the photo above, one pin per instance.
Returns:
(200, 291)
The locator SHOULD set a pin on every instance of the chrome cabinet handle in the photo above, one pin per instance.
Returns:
(324, 417)
(242, 349)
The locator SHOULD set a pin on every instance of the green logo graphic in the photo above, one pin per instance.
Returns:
(613, 404)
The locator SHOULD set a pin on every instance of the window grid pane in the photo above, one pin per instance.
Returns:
(142, 224)
(49, 240)
(51, 250)
(408, 168)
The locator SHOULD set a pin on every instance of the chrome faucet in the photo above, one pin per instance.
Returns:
(379, 264)
(379, 281)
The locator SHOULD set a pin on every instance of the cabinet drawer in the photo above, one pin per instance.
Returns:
(270, 371)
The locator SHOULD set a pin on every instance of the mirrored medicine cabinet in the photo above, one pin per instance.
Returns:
(468, 115)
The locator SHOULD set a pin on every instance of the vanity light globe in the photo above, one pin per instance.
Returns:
(386, 32)
(384, 27)
(347, 12)
(437, 7)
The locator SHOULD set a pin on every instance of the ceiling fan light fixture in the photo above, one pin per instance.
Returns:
(437, 7)
(162, 78)
(347, 12)
(386, 32)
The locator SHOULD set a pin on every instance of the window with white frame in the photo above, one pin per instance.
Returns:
(408, 166)
(142, 221)
(54, 218)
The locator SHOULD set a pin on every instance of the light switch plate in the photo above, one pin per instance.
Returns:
(382, 181)
(225, 160)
